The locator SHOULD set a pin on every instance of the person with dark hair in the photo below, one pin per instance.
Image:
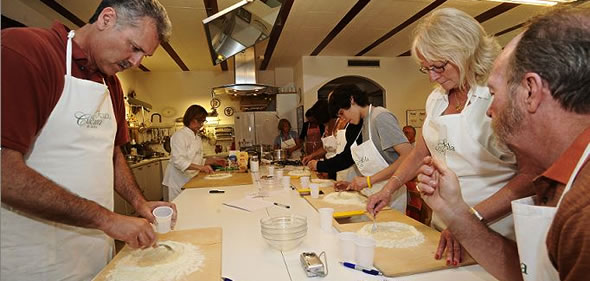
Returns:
(288, 140)
(329, 142)
(186, 155)
(311, 132)
(539, 82)
(61, 161)
(383, 145)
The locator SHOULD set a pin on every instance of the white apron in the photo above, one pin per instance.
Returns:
(480, 173)
(369, 161)
(532, 225)
(174, 178)
(330, 144)
(75, 150)
(288, 144)
(340, 145)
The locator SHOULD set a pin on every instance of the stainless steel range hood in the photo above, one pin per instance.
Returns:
(245, 78)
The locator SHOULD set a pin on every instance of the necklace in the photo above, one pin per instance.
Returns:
(458, 104)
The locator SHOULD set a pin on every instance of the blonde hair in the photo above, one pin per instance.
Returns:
(452, 35)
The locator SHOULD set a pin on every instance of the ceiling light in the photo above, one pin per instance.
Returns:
(536, 2)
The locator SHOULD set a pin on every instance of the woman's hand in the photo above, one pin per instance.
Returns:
(306, 159)
(206, 169)
(378, 201)
(453, 248)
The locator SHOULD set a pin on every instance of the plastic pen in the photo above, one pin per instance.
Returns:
(216, 191)
(361, 268)
(282, 205)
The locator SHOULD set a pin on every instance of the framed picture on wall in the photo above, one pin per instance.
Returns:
(299, 118)
(415, 117)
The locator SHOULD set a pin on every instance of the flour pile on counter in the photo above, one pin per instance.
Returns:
(159, 264)
(346, 198)
(217, 176)
(393, 235)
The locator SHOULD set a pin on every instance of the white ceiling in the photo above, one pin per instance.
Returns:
(308, 23)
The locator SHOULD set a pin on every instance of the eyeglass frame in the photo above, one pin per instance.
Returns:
(436, 69)
(203, 121)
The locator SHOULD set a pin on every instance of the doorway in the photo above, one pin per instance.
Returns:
(373, 90)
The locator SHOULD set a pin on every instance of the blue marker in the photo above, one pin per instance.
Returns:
(361, 268)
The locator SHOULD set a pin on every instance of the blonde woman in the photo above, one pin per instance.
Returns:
(454, 51)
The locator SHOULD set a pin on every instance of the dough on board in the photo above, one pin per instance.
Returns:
(159, 263)
(346, 198)
(217, 176)
(393, 234)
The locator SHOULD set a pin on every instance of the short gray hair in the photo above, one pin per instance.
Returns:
(130, 11)
(452, 35)
(556, 45)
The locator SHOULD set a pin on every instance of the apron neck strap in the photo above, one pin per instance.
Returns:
(575, 173)
(69, 53)
(369, 124)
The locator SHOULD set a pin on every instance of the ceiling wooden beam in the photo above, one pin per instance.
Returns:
(211, 8)
(509, 29)
(74, 19)
(493, 12)
(340, 26)
(174, 56)
(275, 34)
(403, 25)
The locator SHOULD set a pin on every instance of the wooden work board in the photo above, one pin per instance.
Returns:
(318, 203)
(199, 181)
(207, 239)
(406, 261)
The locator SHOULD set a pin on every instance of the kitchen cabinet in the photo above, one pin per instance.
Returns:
(149, 179)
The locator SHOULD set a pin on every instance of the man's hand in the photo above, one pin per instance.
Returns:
(146, 210)
(136, 232)
(453, 248)
(378, 201)
(439, 187)
(313, 165)
(358, 183)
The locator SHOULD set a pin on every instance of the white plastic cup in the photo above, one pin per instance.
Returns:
(365, 251)
(279, 173)
(163, 216)
(304, 181)
(314, 190)
(347, 246)
(326, 218)
(271, 170)
(286, 182)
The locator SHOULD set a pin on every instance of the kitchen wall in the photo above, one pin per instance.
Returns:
(405, 87)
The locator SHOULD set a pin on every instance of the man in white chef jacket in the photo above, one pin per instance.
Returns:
(541, 110)
(63, 120)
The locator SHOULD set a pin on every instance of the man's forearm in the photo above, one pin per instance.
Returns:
(125, 183)
(26, 190)
(496, 254)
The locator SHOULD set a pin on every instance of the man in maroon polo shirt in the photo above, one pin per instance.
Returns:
(63, 120)
(541, 110)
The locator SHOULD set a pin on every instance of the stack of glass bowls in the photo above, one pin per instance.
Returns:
(284, 232)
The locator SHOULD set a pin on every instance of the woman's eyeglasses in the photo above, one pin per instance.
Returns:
(435, 68)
